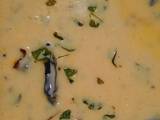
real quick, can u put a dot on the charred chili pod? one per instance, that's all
(50, 86)
(50, 73)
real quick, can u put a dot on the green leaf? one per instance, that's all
(41, 54)
(70, 73)
(92, 8)
(92, 105)
(93, 23)
(66, 115)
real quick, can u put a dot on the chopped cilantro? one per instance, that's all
(92, 8)
(93, 23)
(92, 105)
(70, 74)
(41, 54)
(66, 115)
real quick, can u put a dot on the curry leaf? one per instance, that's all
(92, 8)
(41, 54)
(69, 72)
(93, 23)
(66, 115)
(92, 105)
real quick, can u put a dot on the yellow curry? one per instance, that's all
(79, 59)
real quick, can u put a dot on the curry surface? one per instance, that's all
(131, 27)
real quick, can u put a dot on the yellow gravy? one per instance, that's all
(111, 46)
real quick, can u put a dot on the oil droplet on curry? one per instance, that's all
(79, 59)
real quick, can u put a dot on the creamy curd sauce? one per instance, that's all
(111, 47)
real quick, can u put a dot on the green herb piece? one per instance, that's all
(73, 99)
(92, 105)
(92, 8)
(70, 74)
(4, 55)
(41, 54)
(68, 49)
(93, 23)
(152, 2)
(51, 2)
(66, 115)
(108, 116)
(56, 35)
(100, 81)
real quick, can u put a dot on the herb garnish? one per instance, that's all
(93, 23)
(70, 73)
(152, 2)
(109, 116)
(94, 19)
(51, 2)
(92, 8)
(113, 59)
(16, 64)
(41, 54)
(56, 35)
(92, 105)
(66, 115)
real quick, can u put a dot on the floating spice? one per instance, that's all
(92, 8)
(51, 2)
(56, 35)
(79, 23)
(23, 62)
(114, 59)
(100, 81)
(93, 23)
(92, 105)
